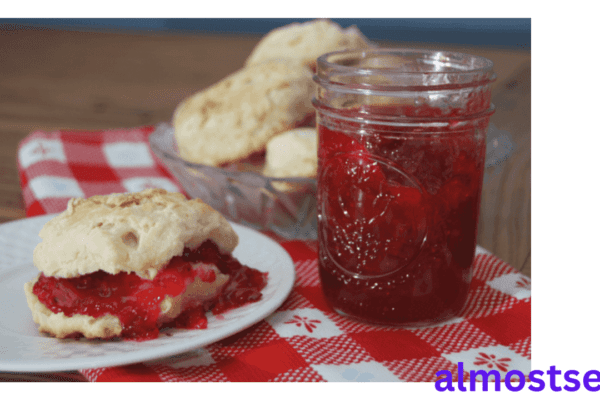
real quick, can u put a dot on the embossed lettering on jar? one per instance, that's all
(401, 152)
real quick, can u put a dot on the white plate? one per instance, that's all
(24, 349)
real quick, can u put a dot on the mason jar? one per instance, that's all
(401, 157)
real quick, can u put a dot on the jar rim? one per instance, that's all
(438, 58)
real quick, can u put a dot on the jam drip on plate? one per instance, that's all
(136, 301)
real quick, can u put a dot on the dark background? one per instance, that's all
(501, 32)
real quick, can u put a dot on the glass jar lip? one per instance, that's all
(484, 64)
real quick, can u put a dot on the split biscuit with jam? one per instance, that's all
(125, 265)
(307, 41)
(237, 116)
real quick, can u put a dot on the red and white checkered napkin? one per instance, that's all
(304, 340)
(56, 166)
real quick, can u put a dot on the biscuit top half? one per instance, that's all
(134, 232)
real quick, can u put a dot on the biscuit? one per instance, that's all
(236, 117)
(307, 41)
(136, 232)
(292, 154)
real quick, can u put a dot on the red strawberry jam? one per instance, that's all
(398, 212)
(401, 151)
(136, 301)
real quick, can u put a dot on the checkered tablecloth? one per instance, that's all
(304, 340)
(55, 166)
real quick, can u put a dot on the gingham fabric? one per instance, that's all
(304, 340)
(55, 166)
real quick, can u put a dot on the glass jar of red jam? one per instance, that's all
(401, 156)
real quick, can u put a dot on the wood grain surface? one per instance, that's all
(52, 79)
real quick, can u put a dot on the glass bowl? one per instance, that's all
(285, 206)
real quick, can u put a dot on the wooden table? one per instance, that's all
(52, 79)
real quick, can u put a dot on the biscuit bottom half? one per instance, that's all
(102, 305)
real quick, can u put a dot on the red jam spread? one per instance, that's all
(398, 211)
(136, 301)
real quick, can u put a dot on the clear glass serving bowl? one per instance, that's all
(285, 206)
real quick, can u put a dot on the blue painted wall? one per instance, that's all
(510, 32)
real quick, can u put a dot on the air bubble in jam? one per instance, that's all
(136, 301)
